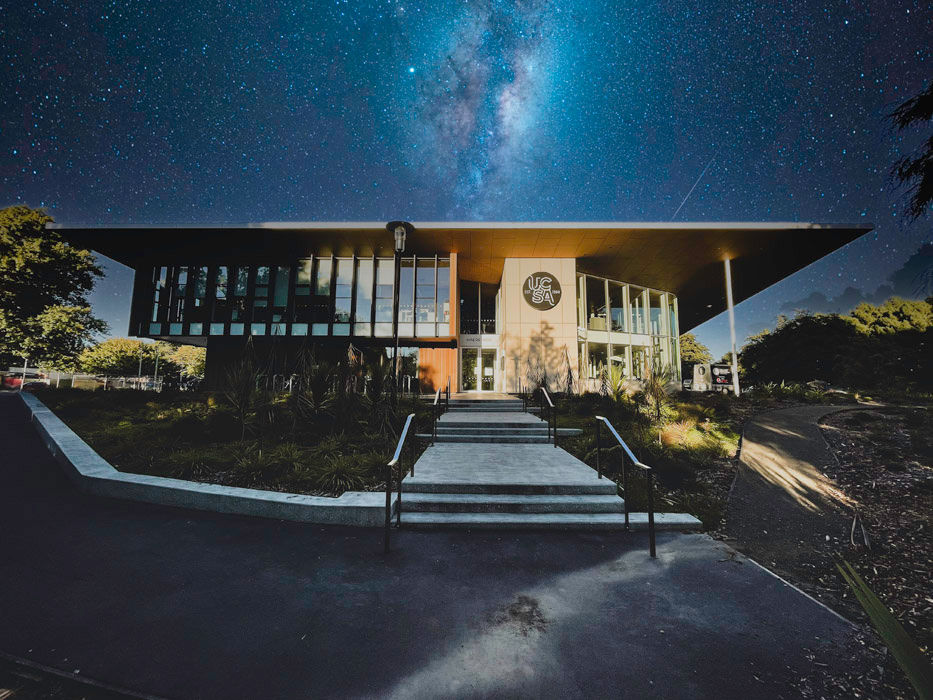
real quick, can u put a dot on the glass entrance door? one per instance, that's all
(469, 369)
(477, 369)
(488, 369)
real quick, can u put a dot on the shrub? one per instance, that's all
(338, 474)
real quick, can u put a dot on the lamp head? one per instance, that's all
(399, 231)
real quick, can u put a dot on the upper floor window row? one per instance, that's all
(312, 296)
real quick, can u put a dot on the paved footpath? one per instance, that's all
(186, 604)
(781, 499)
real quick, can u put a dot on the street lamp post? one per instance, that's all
(399, 231)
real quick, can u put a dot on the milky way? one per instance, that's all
(188, 112)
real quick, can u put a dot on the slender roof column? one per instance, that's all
(735, 359)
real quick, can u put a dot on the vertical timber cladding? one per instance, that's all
(537, 334)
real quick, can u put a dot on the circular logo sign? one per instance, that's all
(541, 290)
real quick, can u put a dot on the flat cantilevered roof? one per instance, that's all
(684, 258)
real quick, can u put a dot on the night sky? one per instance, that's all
(194, 112)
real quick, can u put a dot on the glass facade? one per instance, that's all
(621, 325)
(319, 296)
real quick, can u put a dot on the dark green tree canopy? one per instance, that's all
(44, 283)
(888, 346)
(693, 351)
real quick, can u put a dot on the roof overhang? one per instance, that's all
(684, 258)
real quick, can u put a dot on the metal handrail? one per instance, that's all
(388, 475)
(649, 475)
(551, 415)
(437, 398)
(447, 397)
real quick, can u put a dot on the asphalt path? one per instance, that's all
(186, 604)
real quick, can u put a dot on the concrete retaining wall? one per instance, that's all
(92, 474)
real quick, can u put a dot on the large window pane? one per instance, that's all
(281, 287)
(597, 359)
(654, 299)
(443, 292)
(322, 277)
(242, 277)
(487, 308)
(637, 301)
(617, 306)
(424, 295)
(261, 288)
(406, 312)
(344, 277)
(364, 291)
(469, 306)
(596, 304)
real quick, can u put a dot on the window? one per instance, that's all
(280, 300)
(159, 281)
(200, 286)
(303, 278)
(322, 277)
(406, 313)
(597, 359)
(469, 306)
(617, 306)
(220, 283)
(637, 301)
(320, 305)
(596, 304)
(363, 309)
(261, 288)
(654, 300)
(425, 310)
(242, 279)
(487, 308)
(385, 279)
(343, 295)
(443, 297)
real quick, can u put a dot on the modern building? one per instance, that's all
(485, 305)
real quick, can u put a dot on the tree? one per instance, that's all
(119, 357)
(693, 351)
(916, 171)
(190, 359)
(44, 283)
(892, 316)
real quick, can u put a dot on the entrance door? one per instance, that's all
(477, 369)
(469, 369)
(488, 369)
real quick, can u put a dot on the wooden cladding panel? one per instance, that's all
(435, 365)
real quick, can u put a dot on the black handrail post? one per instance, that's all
(398, 512)
(388, 506)
(654, 553)
(555, 425)
(625, 493)
(447, 397)
(599, 448)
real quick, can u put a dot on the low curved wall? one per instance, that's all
(92, 474)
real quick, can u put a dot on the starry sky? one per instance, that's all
(137, 112)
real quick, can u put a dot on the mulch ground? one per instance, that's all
(883, 463)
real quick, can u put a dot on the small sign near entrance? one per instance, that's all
(542, 291)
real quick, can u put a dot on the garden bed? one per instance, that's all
(197, 436)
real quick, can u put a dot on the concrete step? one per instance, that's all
(497, 429)
(485, 437)
(547, 521)
(508, 503)
(414, 484)
(490, 408)
(504, 424)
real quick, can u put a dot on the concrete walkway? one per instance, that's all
(781, 499)
(187, 604)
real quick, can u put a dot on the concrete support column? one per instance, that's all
(735, 357)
